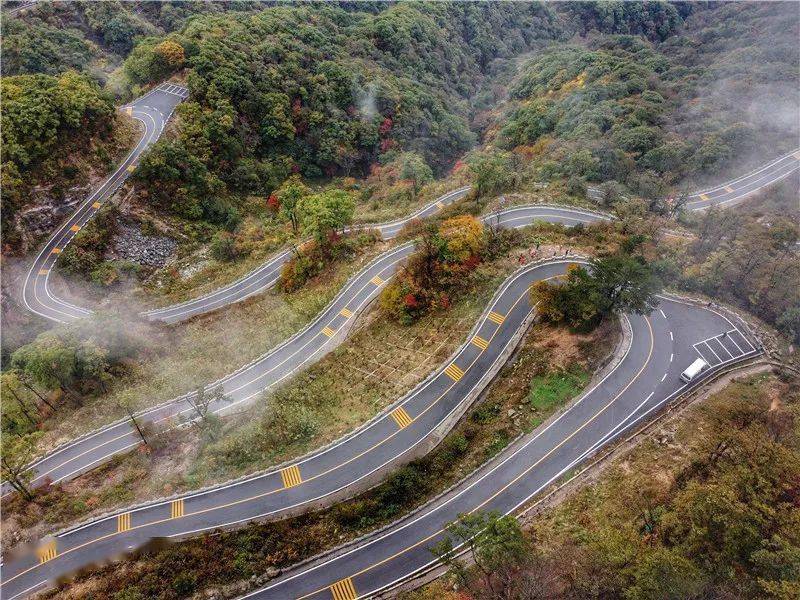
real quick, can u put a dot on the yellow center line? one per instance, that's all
(290, 476)
(496, 317)
(275, 491)
(46, 552)
(123, 522)
(260, 376)
(521, 475)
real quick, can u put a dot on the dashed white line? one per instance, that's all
(664, 377)
(671, 339)
(662, 313)
(671, 356)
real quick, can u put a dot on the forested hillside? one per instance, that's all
(320, 91)
(647, 114)
(91, 36)
(48, 124)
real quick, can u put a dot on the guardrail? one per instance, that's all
(433, 571)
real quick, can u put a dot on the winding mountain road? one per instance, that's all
(308, 345)
(647, 377)
(662, 344)
(152, 110)
(267, 274)
(155, 108)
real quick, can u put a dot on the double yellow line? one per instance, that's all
(291, 475)
(520, 475)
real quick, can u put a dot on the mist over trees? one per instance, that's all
(320, 91)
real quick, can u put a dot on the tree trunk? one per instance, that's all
(13, 476)
(138, 428)
(22, 407)
(38, 395)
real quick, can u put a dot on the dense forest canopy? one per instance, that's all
(653, 115)
(654, 96)
(321, 91)
(40, 114)
(56, 36)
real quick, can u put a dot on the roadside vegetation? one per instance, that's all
(232, 563)
(58, 132)
(704, 507)
(644, 118)
(610, 286)
(87, 367)
(302, 119)
(747, 257)
(381, 362)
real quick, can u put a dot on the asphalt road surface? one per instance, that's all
(323, 334)
(738, 189)
(662, 345)
(267, 274)
(734, 191)
(153, 111)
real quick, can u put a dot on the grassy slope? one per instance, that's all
(380, 362)
(209, 347)
(237, 556)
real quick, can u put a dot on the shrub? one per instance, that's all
(223, 246)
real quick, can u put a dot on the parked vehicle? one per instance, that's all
(693, 370)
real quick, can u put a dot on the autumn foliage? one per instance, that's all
(445, 257)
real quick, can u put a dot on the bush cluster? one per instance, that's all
(445, 256)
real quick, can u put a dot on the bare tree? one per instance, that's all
(127, 404)
(202, 403)
(16, 456)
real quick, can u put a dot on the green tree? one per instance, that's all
(49, 362)
(223, 246)
(494, 543)
(414, 168)
(664, 574)
(289, 195)
(612, 285)
(17, 454)
(325, 213)
(19, 406)
(490, 173)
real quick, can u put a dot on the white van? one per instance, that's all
(693, 370)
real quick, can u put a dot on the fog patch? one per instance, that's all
(368, 102)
